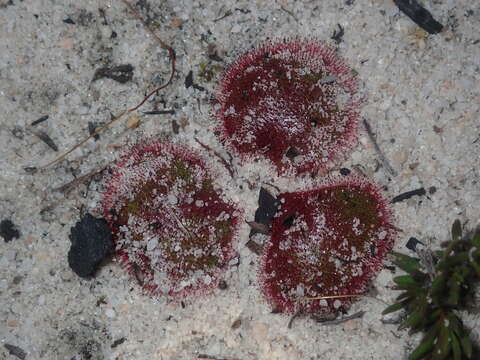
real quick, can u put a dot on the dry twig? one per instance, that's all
(172, 56)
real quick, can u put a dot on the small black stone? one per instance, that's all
(91, 242)
(432, 190)
(8, 230)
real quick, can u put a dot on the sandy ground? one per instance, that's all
(422, 103)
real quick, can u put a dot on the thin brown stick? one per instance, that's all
(222, 160)
(172, 56)
(68, 187)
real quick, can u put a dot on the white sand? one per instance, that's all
(422, 102)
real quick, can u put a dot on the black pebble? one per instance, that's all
(91, 242)
(8, 230)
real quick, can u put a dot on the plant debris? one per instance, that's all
(338, 36)
(254, 247)
(92, 127)
(407, 195)
(69, 21)
(91, 243)
(16, 351)
(189, 82)
(39, 120)
(159, 112)
(120, 73)
(8, 230)
(421, 16)
(383, 158)
(412, 244)
(118, 342)
(171, 54)
(42, 135)
(356, 315)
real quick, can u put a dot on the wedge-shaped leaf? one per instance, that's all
(405, 281)
(438, 284)
(406, 295)
(466, 346)
(434, 316)
(454, 291)
(459, 258)
(456, 230)
(476, 267)
(455, 324)
(412, 320)
(476, 238)
(442, 346)
(426, 345)
(393, 308)
(407, 263)
(456, 349)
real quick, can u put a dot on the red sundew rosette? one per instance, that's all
(329, 241)
(173, 229)
(294, 102)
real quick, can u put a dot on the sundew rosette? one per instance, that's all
(326, 242)
(293, 102)
(173, 227)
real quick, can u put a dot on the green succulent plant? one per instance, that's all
(433, 293)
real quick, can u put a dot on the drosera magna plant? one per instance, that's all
(173, 228)
(433, 293)
(326, 245)
(293, 102)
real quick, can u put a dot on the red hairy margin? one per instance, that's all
(328, 241)
(294, 102)
(173, 228)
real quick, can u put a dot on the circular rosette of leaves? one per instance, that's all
(173, 228)
(294, 102)
(326, 245)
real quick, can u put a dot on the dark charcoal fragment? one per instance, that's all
(338, 35)
(288, 221)
(69, 21)
(91, 130)
(292, 153)
(222, 285)
(8, 230)
(419, 15)
(345, 171)
(412, 244)
(15, 351)
(39, 120)
(189, 82)
(267, 207)
(120, 73)
(118, 342)
(91, 243)
(408, 195)
(42, 135)
(159, 112)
